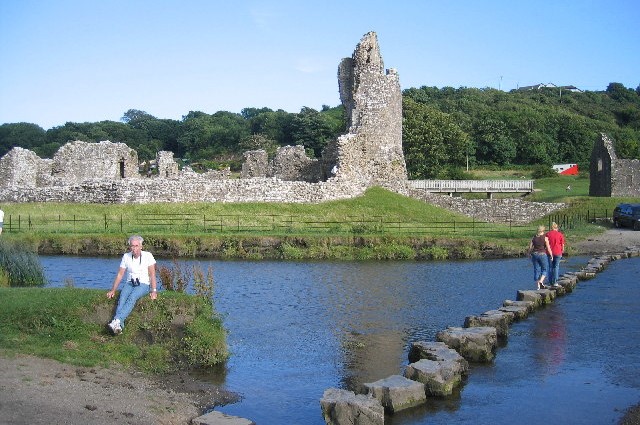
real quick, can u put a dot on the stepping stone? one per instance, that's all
(397, 393)
(341, 407)
(439, 378)
(474, 344)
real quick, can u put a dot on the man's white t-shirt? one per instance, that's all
(138, 268)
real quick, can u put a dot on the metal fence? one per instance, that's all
(272, 223)
(569, 221)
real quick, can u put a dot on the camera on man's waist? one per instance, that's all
(135, 282)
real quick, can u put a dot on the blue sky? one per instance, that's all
(92, 60)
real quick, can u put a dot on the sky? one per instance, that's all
(93, 60)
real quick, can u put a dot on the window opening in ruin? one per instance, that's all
(122, 168)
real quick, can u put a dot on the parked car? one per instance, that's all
(627, 215)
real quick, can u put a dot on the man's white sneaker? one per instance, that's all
(115, 326)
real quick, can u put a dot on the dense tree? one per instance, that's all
(274, 125)
(619, 92)
(547, 125)
(493, 143)
(574, 140)
(24, 135)
(432, 142)
(313, 129)
(157, 134)
(208, 136)
(70, 132)
(521, 127)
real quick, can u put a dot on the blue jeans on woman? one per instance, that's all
(554, 268)
(129, 296)
(540, 265)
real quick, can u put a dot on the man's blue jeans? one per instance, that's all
(540, 265)
(129, 296)
(554, 266)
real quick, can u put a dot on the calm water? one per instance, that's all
(298, 328)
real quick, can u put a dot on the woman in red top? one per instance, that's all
(556, 242)
(538, 250)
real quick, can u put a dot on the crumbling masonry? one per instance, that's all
(610, 176)
(369, 154)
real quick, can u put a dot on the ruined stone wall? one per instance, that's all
(78, 161)
(19, 168)
(256, 164)
(167, 167)
(610, 176)
(196, 189)
(44, 175)
(625, 178)
(370, 154)
(291, 163)
(602, 157)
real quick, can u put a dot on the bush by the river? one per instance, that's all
(19, 267)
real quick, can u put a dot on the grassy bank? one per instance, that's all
(378, 225)
(68, 324)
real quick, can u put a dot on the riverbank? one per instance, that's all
(42, 391)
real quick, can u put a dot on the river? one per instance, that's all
(298, 328)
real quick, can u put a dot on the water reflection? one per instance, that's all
(356, 298)
(550, 339)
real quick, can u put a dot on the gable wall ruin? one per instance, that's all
(609, 175)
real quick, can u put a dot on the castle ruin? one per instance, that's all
(369, 154)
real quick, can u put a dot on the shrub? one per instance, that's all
(394, 251)
(542, 171)
(19, 267)
(457, 173)
(175, 278)
(435, 253)
(290, 252)
(204, 342)
(176, 331)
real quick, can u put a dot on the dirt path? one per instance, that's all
(613, 240)
(41, 391)
(37, 391)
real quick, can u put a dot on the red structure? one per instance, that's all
(566, 169)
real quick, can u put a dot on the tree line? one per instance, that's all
(445, 130)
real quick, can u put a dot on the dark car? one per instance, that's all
(627, 215)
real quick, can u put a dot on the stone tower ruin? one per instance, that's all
(371, 151)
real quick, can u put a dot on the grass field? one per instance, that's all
(319, 231)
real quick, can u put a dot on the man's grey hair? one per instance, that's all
(136, 238)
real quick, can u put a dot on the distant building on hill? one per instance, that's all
(550, 86)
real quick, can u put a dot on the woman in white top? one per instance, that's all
(140, 267)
